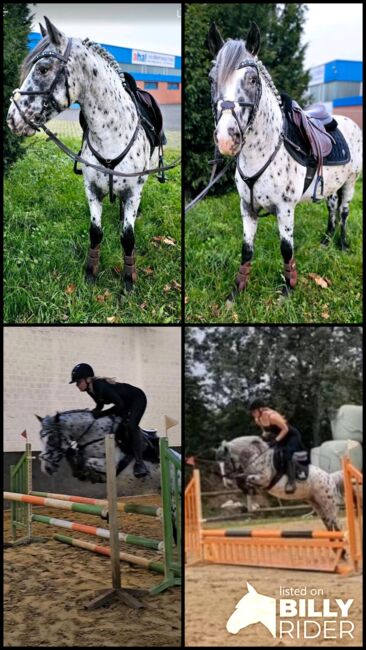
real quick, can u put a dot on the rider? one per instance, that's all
(127, 400)
(286, 436)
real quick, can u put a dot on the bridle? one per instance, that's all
(232, 106)
(51, 100)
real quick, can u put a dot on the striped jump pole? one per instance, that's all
(100, 511)
(273, 534)
(136, 508)
(100, 532)
(104, 550)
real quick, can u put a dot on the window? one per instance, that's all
(173, 86)
(151, 85)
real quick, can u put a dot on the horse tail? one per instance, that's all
(338, 481)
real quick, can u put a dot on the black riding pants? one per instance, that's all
(291, 442)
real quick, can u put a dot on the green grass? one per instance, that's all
(46, 239)
(213, 240)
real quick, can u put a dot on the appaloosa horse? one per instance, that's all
(257, 126)
(252, 463)
(60, 71)
(79, 438)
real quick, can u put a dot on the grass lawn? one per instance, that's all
(46, 239)
(213, 240)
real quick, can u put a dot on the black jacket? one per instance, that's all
(121, 395)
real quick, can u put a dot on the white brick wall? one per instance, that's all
(38, 363)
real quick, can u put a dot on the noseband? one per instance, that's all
(49, 99)
(227, 105)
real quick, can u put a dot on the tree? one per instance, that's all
(17, 24)
(304, 372)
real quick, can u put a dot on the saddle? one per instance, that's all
(150, 113)
(313, 139)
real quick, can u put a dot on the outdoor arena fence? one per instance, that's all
(319, 550)
(22, 498)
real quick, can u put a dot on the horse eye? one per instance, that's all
(43, 69)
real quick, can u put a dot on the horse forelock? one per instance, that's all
(229, 58)
(28, 61)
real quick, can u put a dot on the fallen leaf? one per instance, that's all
(148, 270)
(167, 288)
(100, 298)
(321, 282)
(215, 310)
(117, 269)
(112, 319)
(71, 288)
(169, 241)
(324, 314)
(235, 317)
(143, 306)
(176, 285)
(186, 300)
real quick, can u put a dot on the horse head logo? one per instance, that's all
(253, 608)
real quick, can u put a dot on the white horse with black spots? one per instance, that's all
(60, 71)
(249, 126)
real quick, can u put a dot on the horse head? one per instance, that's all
(55, 443)
(236, 88)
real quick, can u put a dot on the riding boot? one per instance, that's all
(136, 444)
(291, 478)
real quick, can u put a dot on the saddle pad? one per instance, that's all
(299, 149)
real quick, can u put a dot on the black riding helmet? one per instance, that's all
(257, 404)
(81, 371)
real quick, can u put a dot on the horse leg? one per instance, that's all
(332, 203)
(95, 232)
(285, 220)
(346, 197)
(128, 212)
(250, 224)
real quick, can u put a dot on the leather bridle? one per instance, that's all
(49, 99)
(228, 105)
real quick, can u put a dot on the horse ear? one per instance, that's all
(39, 418)
(57, 417)
(43, 30)
(253, 41)
(214, 40)
(56, 37)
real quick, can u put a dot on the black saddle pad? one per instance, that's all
(152, 118)
(300, 150)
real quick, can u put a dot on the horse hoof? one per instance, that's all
(90, 278)
(128, 285)
(344, 246)
(287, 290)
(326, 240)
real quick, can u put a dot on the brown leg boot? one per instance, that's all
(290, 273)
(130, 273)
(243, 276)
(92, 264)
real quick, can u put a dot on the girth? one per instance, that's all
(110, 164)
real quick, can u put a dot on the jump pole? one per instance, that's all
(128, 596)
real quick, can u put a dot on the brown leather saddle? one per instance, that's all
(312, 137)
